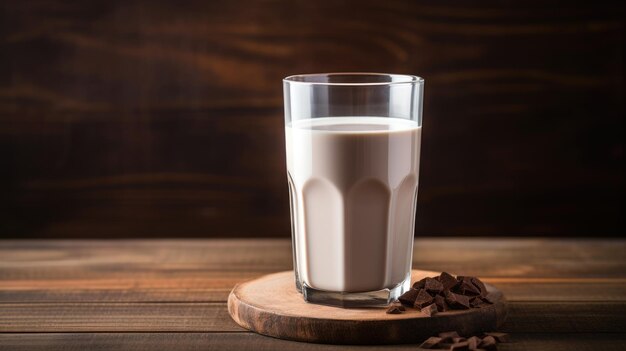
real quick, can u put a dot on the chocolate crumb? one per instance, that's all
(398, 305)
(393, 310)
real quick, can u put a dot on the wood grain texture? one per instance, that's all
(180, 290)
(251, 341)
(206, 270)
(158, 119)
(270, 305)
(523, 317)
(137, 295)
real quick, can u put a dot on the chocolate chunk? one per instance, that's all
(488, 343)
(466, 287)
(420, 284)
(447, 293)
(500, 337)
(398, 305)
(473, 342)
(430, 343)
(423, 299)
(476, 301)
(481, 287)
(393, 310)
(488, 299)
(457, 300)
(448, 336)
(433, 286)
(460, 346)
(441, 303)
(447, 280)
(408, 298)
(429, 310)
(459, 339)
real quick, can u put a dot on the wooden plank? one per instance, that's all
(563, 258)
(251, 341)
(206, 270)
(523, 258)
(116, 317)
(582, 290)
(203, 289)
(526, 317)
(584, 317)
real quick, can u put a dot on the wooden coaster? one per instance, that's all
(271, 305)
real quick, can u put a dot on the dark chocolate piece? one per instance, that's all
(447, 293)
(473, 342)
(433, 286)
(429, 310)
(420, 284)
(481, 287)
(447, 280)
(423, 299)
(466, 287)
(441, 303)
(457, 301)
(476, 301)
(500, 337)
(430, 343)
(488, 299)
(398, 305)
(393, 310)
(447, 336)
(488, 343)
(459, 339)
(408, 298)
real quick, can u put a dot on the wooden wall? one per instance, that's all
(164, 118)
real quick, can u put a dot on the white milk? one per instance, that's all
(353, 183)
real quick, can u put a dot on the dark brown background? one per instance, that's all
(153, 118)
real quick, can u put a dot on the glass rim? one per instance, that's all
(395, 79)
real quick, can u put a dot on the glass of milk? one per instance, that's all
(353, 145)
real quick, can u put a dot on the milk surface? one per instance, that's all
(353, 185)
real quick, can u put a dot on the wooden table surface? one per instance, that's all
(171, 294)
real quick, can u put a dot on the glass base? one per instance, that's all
(354, 300)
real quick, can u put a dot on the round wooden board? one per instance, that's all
(271, 305)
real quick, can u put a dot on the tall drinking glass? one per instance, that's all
(353, 145)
